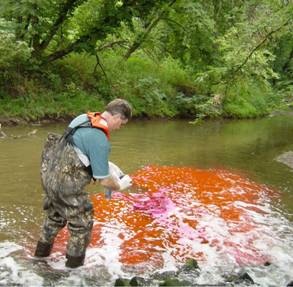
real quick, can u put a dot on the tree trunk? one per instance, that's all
(142, 37)
(63, 14)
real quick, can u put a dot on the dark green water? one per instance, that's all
(249, 147)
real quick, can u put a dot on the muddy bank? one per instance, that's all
(14, 121)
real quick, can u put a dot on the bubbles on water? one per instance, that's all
(109, 254)
(223, 220)
(220, 218)
(12, 272)
(8, 247)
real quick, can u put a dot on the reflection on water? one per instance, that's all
(212, 192)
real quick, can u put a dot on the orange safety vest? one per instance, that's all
(98, 122)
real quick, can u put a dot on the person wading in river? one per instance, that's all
(69, 162)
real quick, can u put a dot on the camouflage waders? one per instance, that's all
(63, 178)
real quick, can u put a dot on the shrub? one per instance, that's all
(247, 98)
(151, 88)
(12, 53)
(78, 68)
(50, 105)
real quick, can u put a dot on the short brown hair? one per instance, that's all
(120, 106)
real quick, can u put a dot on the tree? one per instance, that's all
(54, 29)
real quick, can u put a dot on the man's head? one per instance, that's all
(118, 112)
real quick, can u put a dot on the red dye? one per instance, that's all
(179, 211)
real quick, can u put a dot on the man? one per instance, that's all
(68, 165)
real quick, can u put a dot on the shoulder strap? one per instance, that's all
(69, 132)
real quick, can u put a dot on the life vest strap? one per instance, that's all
(95, 120)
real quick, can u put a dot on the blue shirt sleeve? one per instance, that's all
(99, 156)
(95, 145)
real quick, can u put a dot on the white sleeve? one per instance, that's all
(115, 171)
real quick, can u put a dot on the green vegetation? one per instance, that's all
(169, 58)
(49, 105)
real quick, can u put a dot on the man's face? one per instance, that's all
(117, 121)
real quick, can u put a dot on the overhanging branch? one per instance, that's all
(67, 8)
(259, 45)
(142, 37)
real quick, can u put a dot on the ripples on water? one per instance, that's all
(221, 219)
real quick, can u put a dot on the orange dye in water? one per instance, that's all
(185, 213)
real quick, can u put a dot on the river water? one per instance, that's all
(240, 153)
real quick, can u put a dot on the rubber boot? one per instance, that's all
(43, 249)
(74, 261)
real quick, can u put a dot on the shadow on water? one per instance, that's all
(171, 214)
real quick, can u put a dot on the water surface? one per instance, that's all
(245, 147)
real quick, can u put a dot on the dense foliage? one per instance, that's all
(196, 59)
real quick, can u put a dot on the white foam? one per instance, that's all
(271, 236)
(8, 247)
(169, 262)
(12, 273)
(110, 252)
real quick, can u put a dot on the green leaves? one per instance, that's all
(171, 56)
(12, 53)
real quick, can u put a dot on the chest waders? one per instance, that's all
(64, 178)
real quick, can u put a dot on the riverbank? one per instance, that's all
(8, 121)
(15, 121)
(164, 91)
(182, 102)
